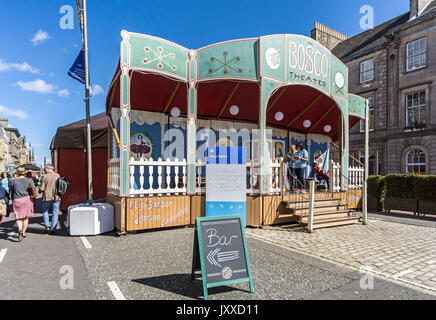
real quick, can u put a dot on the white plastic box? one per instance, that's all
(91, 219)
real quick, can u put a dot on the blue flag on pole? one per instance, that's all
(77, 70)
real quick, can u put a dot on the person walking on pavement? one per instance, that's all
(32, 175)
(50, 199)
(4, 200)
(22, 202)
(5, 182)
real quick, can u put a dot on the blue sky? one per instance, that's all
(37, 95)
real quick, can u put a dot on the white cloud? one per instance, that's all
(37, 145)
(63, 93)
(50, 101)
(96, 89)
(40, 37)
(7, 112)
(23, 67)
(38, 85)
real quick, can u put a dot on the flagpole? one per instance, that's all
(88, 118)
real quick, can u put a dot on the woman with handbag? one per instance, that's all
(22, 195)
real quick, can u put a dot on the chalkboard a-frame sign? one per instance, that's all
(220, 251)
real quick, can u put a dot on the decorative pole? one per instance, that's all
(365, 175)
(191, 126)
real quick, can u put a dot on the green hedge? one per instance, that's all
(425, 188)
(376, 185)
(408, 186)
(400, 185)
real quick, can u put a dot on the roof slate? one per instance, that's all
(372, 39)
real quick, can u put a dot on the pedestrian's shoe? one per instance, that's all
(47, 230)
(20, 236)
(52, 232)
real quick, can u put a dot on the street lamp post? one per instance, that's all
(87, 97)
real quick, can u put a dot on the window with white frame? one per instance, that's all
(416, 53)
(415, 161)
(371, 118)
(415, 109)
(367, 70)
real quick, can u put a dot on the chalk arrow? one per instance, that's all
(2, 254)
(211, 257)
(228, 255)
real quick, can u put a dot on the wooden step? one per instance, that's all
(316, 200)
(326, 223)
(327, 215)
(285, 218)
(319, 208)
(302, 203)
(347, 212)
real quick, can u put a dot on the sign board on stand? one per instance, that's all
(226, 182)
(220, 251)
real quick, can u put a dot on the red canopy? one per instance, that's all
(298, 103)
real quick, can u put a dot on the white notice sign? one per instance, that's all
(226, 182)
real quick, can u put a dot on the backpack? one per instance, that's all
(61, 186)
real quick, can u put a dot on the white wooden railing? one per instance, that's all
(157, 176)
(335, 176)
(114, 176)
(152, 177)
(355, 177)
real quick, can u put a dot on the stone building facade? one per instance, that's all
(13, 148)
(394, 66)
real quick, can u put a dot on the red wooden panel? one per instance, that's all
(72, 164)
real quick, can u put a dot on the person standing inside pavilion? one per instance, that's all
(302, 159)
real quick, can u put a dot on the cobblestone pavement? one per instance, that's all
(402, 252)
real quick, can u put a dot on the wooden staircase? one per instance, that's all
(328, 212)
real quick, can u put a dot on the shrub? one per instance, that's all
(410, 186)
(376, 186)
(401, 185)
(425, 188)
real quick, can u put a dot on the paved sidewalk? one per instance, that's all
(156, 265)
(399, 251)
(405, 217)
(36, 267)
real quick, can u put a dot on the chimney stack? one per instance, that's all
(326, 36)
